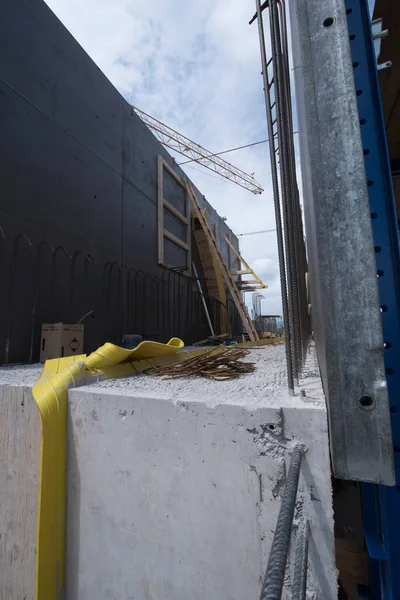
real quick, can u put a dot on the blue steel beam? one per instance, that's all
(381, 504)
(342, 267)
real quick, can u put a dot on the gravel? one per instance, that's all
(20, 374)
(267, 385)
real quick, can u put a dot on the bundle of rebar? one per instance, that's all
(225, 364)
(288, 215)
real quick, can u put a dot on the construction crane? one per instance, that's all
(185, 146)
(255, 232)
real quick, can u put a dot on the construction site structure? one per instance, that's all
(212, 274)
(233, 491)
(180, 143)
(222, 267)
(247, 285)
(345, 54)
(256, 232)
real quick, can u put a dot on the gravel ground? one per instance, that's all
(20, 374)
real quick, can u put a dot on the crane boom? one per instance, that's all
(185, 146)
(255, 232)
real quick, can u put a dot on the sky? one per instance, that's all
(196, 67)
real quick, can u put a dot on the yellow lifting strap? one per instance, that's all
(51, 396)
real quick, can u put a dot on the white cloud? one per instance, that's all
(195, 66)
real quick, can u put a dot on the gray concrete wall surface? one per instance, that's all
(20, 434)
(174, 486)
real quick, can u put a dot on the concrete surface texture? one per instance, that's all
(18, 375)
(20, 432)
(174, 486)
(267, 386)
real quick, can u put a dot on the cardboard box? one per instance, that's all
(58, 340)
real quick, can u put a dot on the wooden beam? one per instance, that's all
(170, 170)
(174, 211)
(163, 204)
(160, 209)
(243, 272)
(175, 240)
(225, 272)
(249, 281)
(240, 257)
(229, 254)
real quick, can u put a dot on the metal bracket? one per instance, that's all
(377, 35)
(384, 65)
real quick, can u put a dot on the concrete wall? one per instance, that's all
(171, 496)
(77, 169)
(174, 486)
(19, 474)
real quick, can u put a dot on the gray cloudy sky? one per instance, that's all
(195, 66)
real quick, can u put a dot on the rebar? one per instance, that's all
(105, 299)
(275, 188)
(114, 298)
(53, 262)
(301, 261)
(275, 573)
(292, 255)
(300, 567)
(286, 180)
(88, 258)
(35, 293)
(11, 292)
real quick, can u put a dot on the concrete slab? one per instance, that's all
(174, 486)
(19, 477)
(266, 386)
(17, 375)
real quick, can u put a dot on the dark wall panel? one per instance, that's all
(49, 178)
(139, 235)
(78, 175)
(48, 68)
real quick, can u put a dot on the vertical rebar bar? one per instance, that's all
(11, 291)
(295, 261)
(53, 273)
(301, 339)
(300, 568)
(35, 293)
(286, 179)
(275, 188)
(275, 573)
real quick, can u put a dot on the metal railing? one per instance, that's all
(275, 573)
